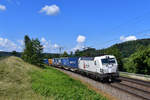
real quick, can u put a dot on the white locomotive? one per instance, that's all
(102, 67)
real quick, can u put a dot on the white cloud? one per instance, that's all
(80, 43)
(7, 45)
(46, 44)
(50, 10)
(2, 7)
(48, 47)
(128, 38)
(56, 46)
(20, 45)
(21, 42)
(81, 39)
(43, 40)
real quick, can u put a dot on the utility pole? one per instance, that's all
(60, 49)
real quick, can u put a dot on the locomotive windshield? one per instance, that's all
(108, 61)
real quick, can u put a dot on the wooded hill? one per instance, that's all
(124, 48)
(130, 47)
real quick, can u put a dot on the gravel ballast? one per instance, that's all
(114, 93)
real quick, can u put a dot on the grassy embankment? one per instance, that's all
(22, 81)
(15, 81)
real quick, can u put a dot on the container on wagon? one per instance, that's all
(50, 61)
(64, 62)
(55, 61)
(46, 61)
(73, 62)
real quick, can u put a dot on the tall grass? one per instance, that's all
(15, 81)
(59, 86)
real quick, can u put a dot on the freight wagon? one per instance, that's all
(55, 62)
(64, 63)
(73, 63)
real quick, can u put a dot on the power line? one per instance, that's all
(135, 20)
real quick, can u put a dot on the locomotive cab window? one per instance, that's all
(108, 61)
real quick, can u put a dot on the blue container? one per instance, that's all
(46, 61)
(55, 61)
(73, 62)
(64, 61)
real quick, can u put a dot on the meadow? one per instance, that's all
(23, 81)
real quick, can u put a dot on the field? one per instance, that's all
(22, 81)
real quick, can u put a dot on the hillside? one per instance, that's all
(124, 49)
(129, 47)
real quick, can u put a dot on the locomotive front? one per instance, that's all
(108, 66)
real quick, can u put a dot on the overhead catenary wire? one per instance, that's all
(136, 20)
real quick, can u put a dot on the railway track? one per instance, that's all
(134, 87)
(141, 82)
(144, 95)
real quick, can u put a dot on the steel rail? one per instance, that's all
(137, 81)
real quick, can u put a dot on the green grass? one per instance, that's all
(59, 86)
(23, 81)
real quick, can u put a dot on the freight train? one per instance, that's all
(102, 67)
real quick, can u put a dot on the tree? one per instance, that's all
(139, 62)
(28, 50)
(33, 51)
(37, 57)
(71, 54)
(14, 53)
(89, 52)
(114, 51)
(77, 53)
(65, 54)
(26, 40)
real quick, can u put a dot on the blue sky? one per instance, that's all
(72, 24)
